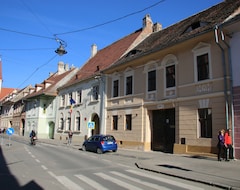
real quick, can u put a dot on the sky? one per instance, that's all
(31, 31)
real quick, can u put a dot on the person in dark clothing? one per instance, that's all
(220, 145)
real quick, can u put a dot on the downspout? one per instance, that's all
(231, 86)
(224, 73)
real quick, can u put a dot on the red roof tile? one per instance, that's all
(104, 58)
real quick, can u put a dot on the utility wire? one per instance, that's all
(32, 49)
(36, 70)
(36, 16)
(28, 34)
(111, 21)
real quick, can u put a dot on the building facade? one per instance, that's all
(171, 92)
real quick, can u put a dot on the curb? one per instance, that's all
(186, 178)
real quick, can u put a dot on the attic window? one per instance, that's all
(195, 25)
(133, 52)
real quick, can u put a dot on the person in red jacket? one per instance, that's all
(228, 145)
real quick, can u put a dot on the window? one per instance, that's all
(61, 123)
(170, 76)
(69, 123)
(78, 123)
(205, 121)
(79, 96)
(202, 62)
(70, 97)
(128, 85)
(95, 92)
(115, 122)
(129, 122)
(115, 88)
(63, 100)
(203, 67)
(151, 80)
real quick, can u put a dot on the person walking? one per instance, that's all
(70, 134)
(228, 145)
(220, 144)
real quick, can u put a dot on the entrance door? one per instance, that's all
(97, 127)
(51, 130)
(163, 133)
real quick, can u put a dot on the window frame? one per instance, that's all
(115, 92)
(128, 122)
(199, 50)
(152, 81)
(205, 122)
(115, 122)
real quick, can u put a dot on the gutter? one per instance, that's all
(231, 82)
(224, 73)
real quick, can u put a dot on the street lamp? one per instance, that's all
(61, 50)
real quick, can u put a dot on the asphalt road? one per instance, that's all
(53, 167)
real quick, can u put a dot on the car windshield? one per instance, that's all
(108, 138)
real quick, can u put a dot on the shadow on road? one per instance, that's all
(8, 181)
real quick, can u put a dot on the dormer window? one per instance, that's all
(195, 25)
(133, 52)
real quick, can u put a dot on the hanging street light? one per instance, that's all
(61, 50)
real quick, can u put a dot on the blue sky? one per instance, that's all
(28, 30)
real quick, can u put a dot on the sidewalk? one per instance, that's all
(196, 168)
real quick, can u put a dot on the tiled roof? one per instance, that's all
(193, 26)
(50, 90)
(5, 92)
(104, 58)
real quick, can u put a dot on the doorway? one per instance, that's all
(163, 133)
(51, 130)
(96, 130)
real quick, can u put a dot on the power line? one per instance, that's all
(36, 16)
(32, 49)
(111, 21)
(28, 34)
(36, 71)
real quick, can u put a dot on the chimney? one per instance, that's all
(61, 68)
(66, 67)
(147, 22)
(93, 50)
(157, 27)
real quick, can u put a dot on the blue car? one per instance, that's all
(100, 144)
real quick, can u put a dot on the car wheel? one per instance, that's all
(114, 150)
(83, 147)
(99, 151)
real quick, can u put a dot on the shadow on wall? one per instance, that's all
(8, 181)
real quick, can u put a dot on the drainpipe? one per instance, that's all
(231, 84)
(224, 72)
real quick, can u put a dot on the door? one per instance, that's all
(163, 133)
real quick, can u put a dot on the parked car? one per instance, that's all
(100, 144)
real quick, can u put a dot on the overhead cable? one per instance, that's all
(111, 21)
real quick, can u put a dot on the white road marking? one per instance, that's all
(68, 183)
(44, 167)
(117, 181)
(91, 182)
(154, 186)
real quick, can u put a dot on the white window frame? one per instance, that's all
(169, 60)
(201, 49)
(128, 73)
(115, 78)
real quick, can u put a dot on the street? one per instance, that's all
(46, 166)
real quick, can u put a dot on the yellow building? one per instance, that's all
(171, 93)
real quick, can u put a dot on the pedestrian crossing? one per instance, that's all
(127, 179)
